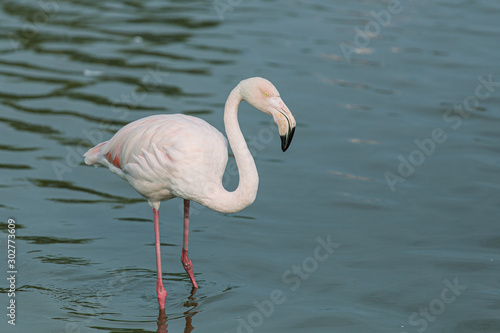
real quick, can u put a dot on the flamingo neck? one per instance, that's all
(244, 195)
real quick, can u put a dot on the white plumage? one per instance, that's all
(165, 156)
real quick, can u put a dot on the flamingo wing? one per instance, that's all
(164, 156)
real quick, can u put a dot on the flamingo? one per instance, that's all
(176, 155)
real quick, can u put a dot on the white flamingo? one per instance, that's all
(168, 156)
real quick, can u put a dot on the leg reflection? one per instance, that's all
(189, 314)
(162, 322)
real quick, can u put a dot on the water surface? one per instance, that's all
(394, 164)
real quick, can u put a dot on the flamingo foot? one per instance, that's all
(188, 266)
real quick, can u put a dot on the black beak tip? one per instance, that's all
(287, 139)
(284, 145)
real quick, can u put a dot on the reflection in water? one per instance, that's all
(162, 322)
(189, 314)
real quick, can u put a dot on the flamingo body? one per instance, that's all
(165, 156)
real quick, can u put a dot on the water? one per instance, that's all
(394, 166)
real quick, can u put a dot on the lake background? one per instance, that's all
(383, 215)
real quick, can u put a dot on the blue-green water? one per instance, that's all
(383, 215)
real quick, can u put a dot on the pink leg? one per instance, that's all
(188, 266)
(160, 290)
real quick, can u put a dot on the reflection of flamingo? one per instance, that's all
(168, 156)
(191, 303)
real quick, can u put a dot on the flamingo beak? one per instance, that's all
(287, 138)
(286, 125)
(285, 121)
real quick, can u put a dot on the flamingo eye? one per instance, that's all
(266, 94)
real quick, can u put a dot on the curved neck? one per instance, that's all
(231, 202)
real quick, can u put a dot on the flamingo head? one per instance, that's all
(263, 95)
